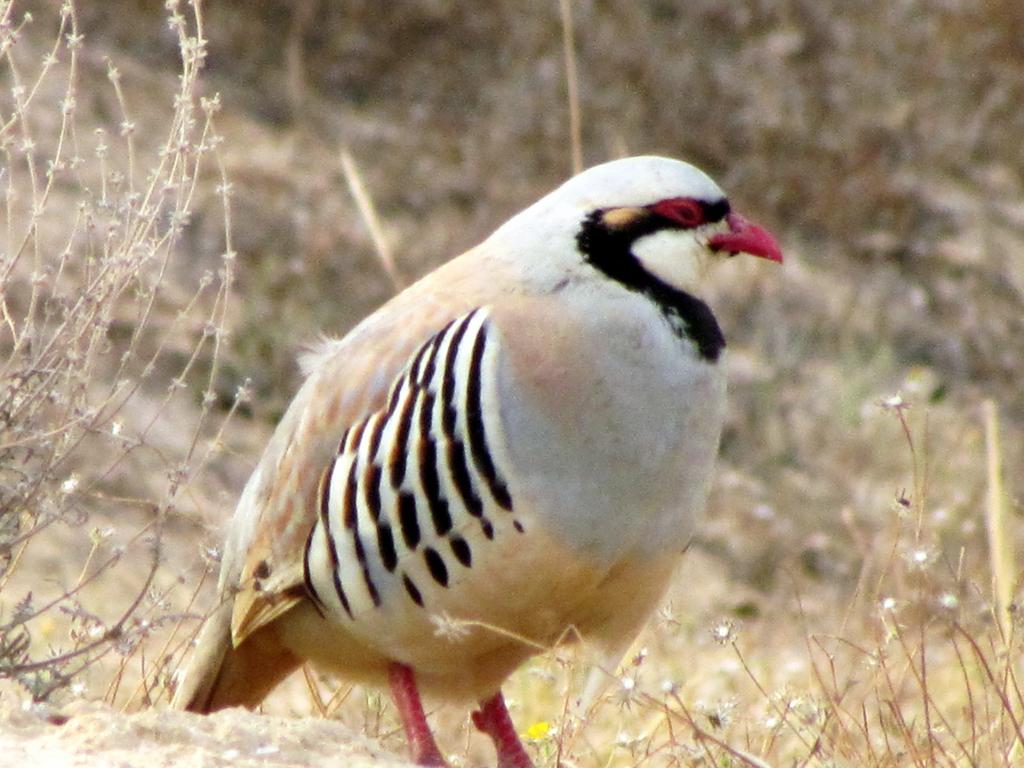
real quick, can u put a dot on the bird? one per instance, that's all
(510, 453)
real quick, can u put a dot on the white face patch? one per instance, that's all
(675, 257)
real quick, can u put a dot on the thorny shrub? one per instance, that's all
(103, 336)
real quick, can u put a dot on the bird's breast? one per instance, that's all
(611, 428)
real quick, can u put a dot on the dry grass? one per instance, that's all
(844, 605)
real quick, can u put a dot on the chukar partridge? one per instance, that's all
(518, 445)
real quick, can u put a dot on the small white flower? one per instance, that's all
(625, 739)
(919, 558)
(894, 402)
(449, 628)
(949, 601)
(724, 632)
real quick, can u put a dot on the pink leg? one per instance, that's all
(414, 719)
(493, 719)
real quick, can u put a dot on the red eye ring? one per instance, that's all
(684, 212)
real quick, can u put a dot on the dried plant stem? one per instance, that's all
(702, 736)
(339, 697)
(1000, 546)
(572, 84)
(996, 687)
(369, 214)
(780, 712)
(1001, 554)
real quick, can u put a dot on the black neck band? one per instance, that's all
(611, 252)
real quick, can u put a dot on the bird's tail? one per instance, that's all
(220, 675)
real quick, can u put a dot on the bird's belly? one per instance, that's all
(526, 594)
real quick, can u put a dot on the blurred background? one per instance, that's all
(879, 141)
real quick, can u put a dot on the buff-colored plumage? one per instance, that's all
(346, 380)
(559, 422)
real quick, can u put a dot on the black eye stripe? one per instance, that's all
(671, 213)
(716, 211)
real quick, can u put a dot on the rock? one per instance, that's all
(96, 736)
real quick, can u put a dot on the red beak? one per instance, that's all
(746, 237)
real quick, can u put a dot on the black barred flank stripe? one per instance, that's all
(349, 502)
(431, 364)
(455, 448)
(459, 470)
(372, 482)
(336, 577)
(400, 448)
(429, 478)
(407, 519)
(351, 517)
(361, 556)
(386, 546)
(375, 434)
(356, 434)
(475, 424)
(396, 393)
(438, 504)
(344, 439)
(325, 492)
(413, 592)
(461, 550)
(426, 412)
(448, 415)
(414, 367)
(307, 577)
(436, 566)
(332, 550)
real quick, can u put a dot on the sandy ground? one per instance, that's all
(95, 736)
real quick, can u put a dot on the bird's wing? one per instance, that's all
(347, 379)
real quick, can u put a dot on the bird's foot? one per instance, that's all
(493, 719)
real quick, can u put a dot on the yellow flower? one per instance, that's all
(538, 730)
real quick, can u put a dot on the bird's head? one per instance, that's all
(643, 220)
(652, 224)
(652, 220)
